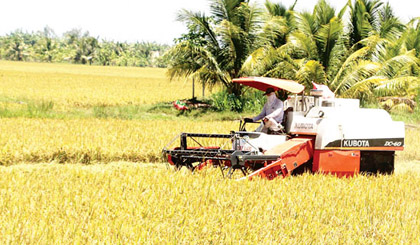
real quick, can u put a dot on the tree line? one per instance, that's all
(79, 47)
(361, 50)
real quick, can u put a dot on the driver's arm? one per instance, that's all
(261, 115)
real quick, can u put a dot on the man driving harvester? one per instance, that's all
(271, 114)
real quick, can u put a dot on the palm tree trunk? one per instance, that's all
(235, 88)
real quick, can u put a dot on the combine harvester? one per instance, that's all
(322, 134)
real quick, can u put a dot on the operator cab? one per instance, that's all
(303, 113)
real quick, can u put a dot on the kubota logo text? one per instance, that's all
(356, 143)
(304, 125)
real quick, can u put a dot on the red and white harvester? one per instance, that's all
(322, 134)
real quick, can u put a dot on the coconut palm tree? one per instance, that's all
(397, 67)
(320, 49)
(15, 46)
(364, 18)
(317, 37)
(216, 46)
(46, 45)
(278, 23)
(411, 36)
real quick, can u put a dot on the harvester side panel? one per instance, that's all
(340, 163)
(293, 153)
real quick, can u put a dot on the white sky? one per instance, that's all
(131, 20)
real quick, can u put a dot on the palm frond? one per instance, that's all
(359, 71)
(344, 9)
(350, 62)
(275, 9)
(394, 66)
(253, 63)
(275, 29)
(225, 9)
(363, 88)
(278, 9)
(327, 37)
(247, 17)
(188, 59)
(323, 13)
(210, 76)
(302, 45)
(379, 47)
(285, 69)
(400, 86)
(411, 36)
(305, 23)
(338, 55)
(200, 20)
(264, 59)
(373, 8)
(360, 21)
(391, 29)
(311, 71)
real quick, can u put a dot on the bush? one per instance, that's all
(249, 101)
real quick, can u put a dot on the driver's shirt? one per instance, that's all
(274, 110)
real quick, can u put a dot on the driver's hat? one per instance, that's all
(269, 90)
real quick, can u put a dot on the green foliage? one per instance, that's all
(225, 101)
(79, 48)
(216, 46)
(30, 109)
(250, 101)
(364, 54)
(312, 71)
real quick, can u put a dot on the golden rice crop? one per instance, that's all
(104, 140)
(69, 86)
(131, 203)
(412, 143)
(92, 140)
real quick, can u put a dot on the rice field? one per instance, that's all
(97, 180)
(105, 140)
(137, 203)
(77, 86)
(93, 140)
